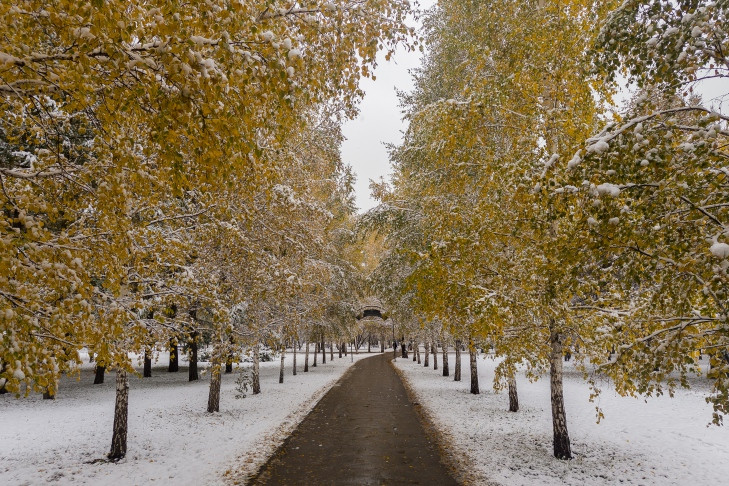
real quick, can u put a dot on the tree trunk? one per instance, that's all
(323, 352)
(435, 356)
(316, 353)
(49, 393)
(174, 362)
(147, 365)
(341, 345)
(256, 378)
(345, 348)
(121, 414)
(382, 344)
(457, 371)
(446, 371)
(281, 370)
(474, 366)
(331, 350)
(306, 358)
(214, 395)
(561, 438)
(229, 359)
(369, 345)
(426, 363)
(192, 370)
(513, 395)
(99, 378)
(294, 365)
(415, 352)
(3, 381)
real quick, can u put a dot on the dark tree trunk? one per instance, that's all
(306, 358)
(323, 352)
(561, 438)
(281, 370)
(474, 366)
(369, 345)
(426, 362)
(316, 353)
(434, 349)
(147, 365)
(294, 365)
(513, 395)
(256, 378)
(446, 371)
(341, 345)
(192, 370)
(415, 352)
(229, 359)
(331, 351)
(3, 381)
(457, 371)
(214, 395)
(382, 344)
(404, 349)
(345, 349)
(174, 361)
(121, 414)
(99, 377)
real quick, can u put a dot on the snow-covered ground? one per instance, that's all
(658, 441)
(171, 437)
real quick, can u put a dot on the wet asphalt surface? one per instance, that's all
(365, 431)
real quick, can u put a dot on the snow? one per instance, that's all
(574, 162)
(171, 436)
(607, 188)
(599, 147)
(720, 250)
(658, 441)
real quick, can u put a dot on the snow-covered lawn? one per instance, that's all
(171, 437)
(664, 441)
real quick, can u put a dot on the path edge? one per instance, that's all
(455, 463)
(242, 475)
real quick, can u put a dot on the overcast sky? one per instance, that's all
(379, 121)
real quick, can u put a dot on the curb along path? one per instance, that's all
(365, 431)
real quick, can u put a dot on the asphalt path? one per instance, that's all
(364, 431)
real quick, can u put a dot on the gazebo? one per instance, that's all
(371, 307)
(372, 315)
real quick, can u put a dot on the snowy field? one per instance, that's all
(665, 441)
(172, 439)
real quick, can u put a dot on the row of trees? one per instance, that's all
(527, 212)
(171, 169)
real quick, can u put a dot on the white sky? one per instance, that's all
(379, 121)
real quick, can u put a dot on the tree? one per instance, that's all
(653, 206)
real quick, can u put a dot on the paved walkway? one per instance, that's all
(363, 432)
